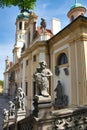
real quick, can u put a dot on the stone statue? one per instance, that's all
(11, 108)
(61, 100)
(7, 63)
(19, 99)
(43, 23)
(41, 77)
(58, 90)
(6, 114)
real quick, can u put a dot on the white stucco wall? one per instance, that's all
(6, 83)
(24, 76)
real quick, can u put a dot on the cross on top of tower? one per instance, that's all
(75, 1)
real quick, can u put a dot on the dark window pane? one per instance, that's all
(26, 90)
(20, 26)
(62, 59)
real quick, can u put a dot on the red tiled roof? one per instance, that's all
(40, 31)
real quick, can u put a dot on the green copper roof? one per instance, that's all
(76, 5)
(23, 15)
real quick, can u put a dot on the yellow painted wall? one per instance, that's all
(1, 89)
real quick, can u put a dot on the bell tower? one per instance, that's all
(21, 23)
(76, 10)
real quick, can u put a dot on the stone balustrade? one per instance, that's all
(74, 118)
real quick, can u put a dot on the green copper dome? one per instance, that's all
(77, 5)
(23, 15)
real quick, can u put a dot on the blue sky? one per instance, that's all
(46, 9)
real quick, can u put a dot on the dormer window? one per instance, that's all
(20, 26)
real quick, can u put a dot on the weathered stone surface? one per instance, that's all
(42, 106)
(20, 115)
(41, 78)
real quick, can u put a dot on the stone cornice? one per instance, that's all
(32, 48)
(78, 23)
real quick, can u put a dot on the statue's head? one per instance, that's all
(19, 89)
(4, 109)
(43, 64)
(10, 102)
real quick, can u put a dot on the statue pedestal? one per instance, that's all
(42, 106)
(5, 124)
(11, 120)
(21, 114)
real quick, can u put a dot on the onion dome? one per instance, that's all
(24, 14)
(76, 10)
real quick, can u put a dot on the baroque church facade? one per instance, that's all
(65, 54)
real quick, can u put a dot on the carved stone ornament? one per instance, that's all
(11, 108)
(19, 99)
(74, 122)
(57, 71)
(6, 114)
(66, 71)
(41, 78)
(61, 100)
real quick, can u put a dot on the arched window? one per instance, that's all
(62, 59)
(20, 26)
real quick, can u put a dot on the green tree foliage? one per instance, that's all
(22, 4)
(1, 82)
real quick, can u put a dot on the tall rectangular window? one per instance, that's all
(28, 39)
(26, 62)
(20, 26)
(34, 58)
(34, 88)
(26, 88)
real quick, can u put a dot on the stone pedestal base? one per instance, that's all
(42, 106)
(20, 115)
(5, 124)
(11, 120)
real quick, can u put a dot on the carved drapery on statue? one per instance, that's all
(61, 100)
(41, 77)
